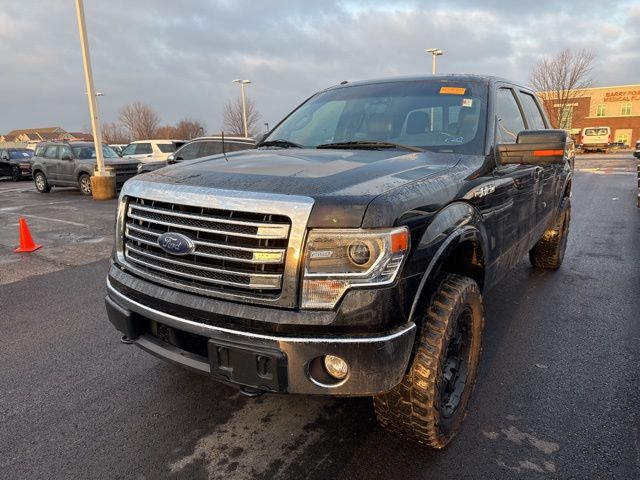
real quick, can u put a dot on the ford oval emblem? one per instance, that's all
(176, 243)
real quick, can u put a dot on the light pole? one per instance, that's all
(103, 185)
(434, 53)
(244, 104)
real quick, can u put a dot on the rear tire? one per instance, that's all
(548, 253)
(429, 404)
(84, 182)
(42, 185)
(15, 173)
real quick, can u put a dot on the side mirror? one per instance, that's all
(5, 157)
(261, 137)
(171, 158)
(536, 147)
(66, 157)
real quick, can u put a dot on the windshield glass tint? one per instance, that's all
(18, 154)
(89, 152)
(427, 114)
(167, 147)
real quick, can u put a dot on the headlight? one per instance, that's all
(337, 260)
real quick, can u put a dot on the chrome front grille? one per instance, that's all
(247, 244)
(235, 251)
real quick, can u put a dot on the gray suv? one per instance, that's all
(71, 164)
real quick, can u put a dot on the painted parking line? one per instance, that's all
(68, 222)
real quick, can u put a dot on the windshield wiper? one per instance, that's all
(369, 144)
(279, 143)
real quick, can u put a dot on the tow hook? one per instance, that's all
(251, 392)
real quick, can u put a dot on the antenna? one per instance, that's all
(223, 149)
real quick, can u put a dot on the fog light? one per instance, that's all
(336, 367)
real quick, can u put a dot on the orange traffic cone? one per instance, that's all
(26, 242)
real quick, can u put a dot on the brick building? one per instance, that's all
(615, 107)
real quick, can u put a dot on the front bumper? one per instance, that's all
(376, 362)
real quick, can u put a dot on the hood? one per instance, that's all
(341, 182)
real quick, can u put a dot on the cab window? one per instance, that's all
(509, 116)
(531, 108)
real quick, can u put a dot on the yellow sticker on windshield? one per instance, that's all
(453, 90)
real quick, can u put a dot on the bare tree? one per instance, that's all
(113, 132)
(168, 132)
(188, 128)
(560, 80)
(233, 117)
(140, 120)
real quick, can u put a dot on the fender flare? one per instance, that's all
(458, 229)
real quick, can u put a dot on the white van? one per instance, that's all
(595, 139)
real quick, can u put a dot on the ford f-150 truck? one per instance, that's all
(348, 253)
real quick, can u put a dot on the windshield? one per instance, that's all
(428, 114)
(167, 147)
(20, 154)
(591, 132)
(89, 151)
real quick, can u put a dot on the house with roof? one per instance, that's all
(31, 136)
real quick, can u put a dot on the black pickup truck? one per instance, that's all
(348, 253)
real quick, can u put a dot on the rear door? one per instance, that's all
(522, 179)
(548, 175)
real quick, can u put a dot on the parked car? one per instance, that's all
(15, 163)
(348, 254)
(151, 150)
(594, 139)
(64, 164)
(201, 147)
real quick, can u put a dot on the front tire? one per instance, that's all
(42, 185)
(429, 404)
(84, 182)
(548, 253)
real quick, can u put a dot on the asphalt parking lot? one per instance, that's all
(557, 394)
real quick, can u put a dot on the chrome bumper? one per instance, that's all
(376, 362)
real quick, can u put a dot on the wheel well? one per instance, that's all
(567, 189)
(467, 259)
(80, 174)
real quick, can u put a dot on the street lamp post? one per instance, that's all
(244, 104)
(434, 53)
(102, 182)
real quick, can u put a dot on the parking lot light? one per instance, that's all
(434, 53)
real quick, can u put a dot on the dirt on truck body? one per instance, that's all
(348, 254)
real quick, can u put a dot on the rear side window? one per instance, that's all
(165, 147)
(531, 109)
(510, 121)
(51, 152)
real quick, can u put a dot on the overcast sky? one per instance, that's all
(180, 56)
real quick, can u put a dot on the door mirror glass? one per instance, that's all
(536, 147)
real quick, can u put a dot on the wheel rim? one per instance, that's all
(40, 183)
(85, 185)
(456, 365)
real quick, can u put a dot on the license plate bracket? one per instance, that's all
(258, 367)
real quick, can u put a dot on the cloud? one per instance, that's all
(180, 57)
